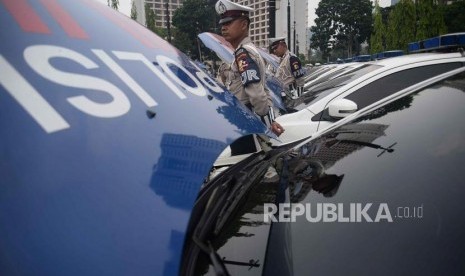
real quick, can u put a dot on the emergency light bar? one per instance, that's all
(361, 58)
(442, 42)
(387, 54)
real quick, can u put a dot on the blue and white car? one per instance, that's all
(107, 134)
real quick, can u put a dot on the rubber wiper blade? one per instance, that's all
(243, 185)
(215, 260)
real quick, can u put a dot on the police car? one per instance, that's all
(323, 104)
(336, 71)
(107, 134)
(379, 193)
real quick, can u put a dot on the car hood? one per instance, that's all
(107, 134)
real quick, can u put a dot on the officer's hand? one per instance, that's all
(277, 128)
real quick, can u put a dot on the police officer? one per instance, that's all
(290, 71)
(247, 82)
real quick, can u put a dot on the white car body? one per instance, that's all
(299, 125)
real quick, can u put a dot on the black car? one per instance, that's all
(378, 194)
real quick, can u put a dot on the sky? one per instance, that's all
(125, 7)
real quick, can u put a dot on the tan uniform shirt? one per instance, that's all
(284, 72)
(249, 86)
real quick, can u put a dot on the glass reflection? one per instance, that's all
(184, 162)
(308, 164)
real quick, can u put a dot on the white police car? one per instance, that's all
(337, 70)
(327, 102)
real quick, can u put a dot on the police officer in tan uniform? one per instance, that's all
(290, 71)
(247, 76)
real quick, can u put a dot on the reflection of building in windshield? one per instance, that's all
(185, 161)
(335, 149)
(308, 169)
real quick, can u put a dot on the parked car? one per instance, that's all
(107, 134)
(379, 193)
(329, 101)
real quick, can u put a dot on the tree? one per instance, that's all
(378, 33)
(401, 26)
(341, 24)
(354, 25)
(133, 10)
(430, 20)
(150, 18)
(323, 30)
(113, 3)
(454, 16)
(194, 17)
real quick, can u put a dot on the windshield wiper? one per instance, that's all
(218, 262)
(215, 260)
(256, 169)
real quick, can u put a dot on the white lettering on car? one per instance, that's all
(30, 99)
(139, 57)
(164, 62)
(126, 78)
(39, 57)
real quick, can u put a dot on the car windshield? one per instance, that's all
(321, 90)
(334, 74)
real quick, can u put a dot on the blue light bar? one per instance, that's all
(448, 41)
(387, 54)
(362, 58)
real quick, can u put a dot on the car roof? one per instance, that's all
(412, 58)
(387, 66)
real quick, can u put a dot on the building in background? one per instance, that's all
(259, 29)
(140, 11)
(159, 8)
(260, 18)
(299, 23)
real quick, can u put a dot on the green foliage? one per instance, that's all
(150, 18)
(430, 20)
(378, 33)
(133, 10)
(323, 30)
(194, 17)
(341, 24)
(410, 21)
(454, 16)
(113, 3)
(401, 26)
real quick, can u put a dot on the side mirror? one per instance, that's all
(341, 108)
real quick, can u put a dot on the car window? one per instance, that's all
(321, 90)
(344, 79)
(391, 84)
(395, 82)
(330, 75)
